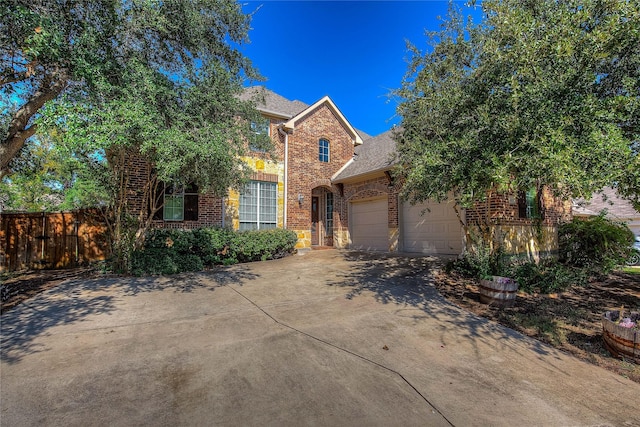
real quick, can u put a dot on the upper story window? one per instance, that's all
(260, 130)
(323, 150)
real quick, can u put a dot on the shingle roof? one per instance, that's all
(269, 101)
(617, 207)
(374, 155)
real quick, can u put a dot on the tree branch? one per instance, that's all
(18, 131)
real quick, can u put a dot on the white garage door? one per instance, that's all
(437, 232)
(369, 229)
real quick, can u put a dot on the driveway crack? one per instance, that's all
(342, 349)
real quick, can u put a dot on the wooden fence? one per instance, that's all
(51, 240)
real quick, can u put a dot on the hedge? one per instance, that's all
(168, 251)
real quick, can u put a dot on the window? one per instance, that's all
(529, 204)
(180, 203)
(323, 150)
(329, 215)
(259, 206)
(259, 129)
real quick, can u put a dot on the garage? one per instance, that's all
(369, 229)
(437, 232)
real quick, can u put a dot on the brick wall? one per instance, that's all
(525, 237)
(209, 206)
(306, 172)
(503, 209)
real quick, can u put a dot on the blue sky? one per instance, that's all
(353, 51)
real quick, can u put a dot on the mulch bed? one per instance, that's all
(569, 321)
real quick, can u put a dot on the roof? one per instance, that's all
(271, 103)
(291, 124)
(375, 155)
(617, 207)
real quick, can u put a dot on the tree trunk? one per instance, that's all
(19, 130)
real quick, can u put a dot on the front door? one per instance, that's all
(315, 240)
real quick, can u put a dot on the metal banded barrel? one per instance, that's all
(499, 291)
(619, 340)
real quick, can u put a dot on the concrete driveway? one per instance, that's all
(327, 338)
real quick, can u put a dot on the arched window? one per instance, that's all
(323, 150)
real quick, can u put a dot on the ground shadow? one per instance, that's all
(407, 280)
(73, 300)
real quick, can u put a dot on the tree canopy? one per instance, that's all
(538, 93)
(162, 75)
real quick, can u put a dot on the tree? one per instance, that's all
(157, 80)
(51, 46)
(540, 93)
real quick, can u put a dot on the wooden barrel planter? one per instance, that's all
(619, 340)
(499, 291)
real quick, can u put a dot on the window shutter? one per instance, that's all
(159, 200)
(522, 204)
(539, 203)
(190, 207)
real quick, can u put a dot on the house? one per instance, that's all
(332, 185)
(617, 208)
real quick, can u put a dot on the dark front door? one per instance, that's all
(314, 221)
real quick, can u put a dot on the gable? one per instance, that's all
(329, 104)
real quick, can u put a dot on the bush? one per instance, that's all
(169, 251)
(154, 261)
(481, 263)
(596, 244)
(547, 277)
(263, 245)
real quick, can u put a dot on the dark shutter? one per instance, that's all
(522, 204)
(190, 207)
(159, 200)
(539, 203)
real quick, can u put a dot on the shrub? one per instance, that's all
(546, 277)
(481, 263)
(169, 251)
(263, 245)
(596, 244)
(154, 261)
(213, 245)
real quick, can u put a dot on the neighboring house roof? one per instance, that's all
(270, 103)
(617, 207)
(375, 155)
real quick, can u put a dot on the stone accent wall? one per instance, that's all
(265, 170)
(524, 237)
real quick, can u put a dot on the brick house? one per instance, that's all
(332, 185)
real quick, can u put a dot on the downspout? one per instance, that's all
(286, 174)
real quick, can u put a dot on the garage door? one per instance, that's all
(437, 232)
(369, 229)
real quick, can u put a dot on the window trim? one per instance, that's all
(529, 204)
(180, 193)
(263, 128)
(263, 219)
(321, 148)
(329, 206)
